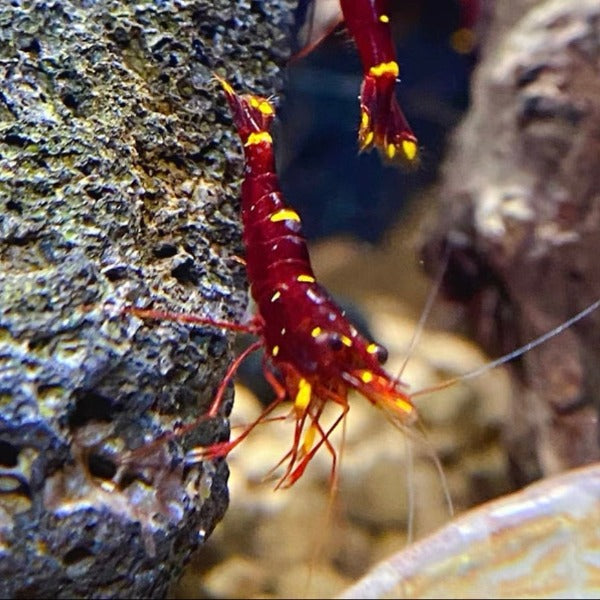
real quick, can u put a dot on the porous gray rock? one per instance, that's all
(117, 164)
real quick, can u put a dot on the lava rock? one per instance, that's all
(116, 189)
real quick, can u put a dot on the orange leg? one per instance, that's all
(278, 387)
(212, 412)
(221, 449)
(297, 453)
(292, 455)
(341, 399)
(330, 448)
(254, 326)
(300, 468)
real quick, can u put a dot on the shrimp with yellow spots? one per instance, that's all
(317, 352)
(318, 355)
(313, 355)
(382, 122)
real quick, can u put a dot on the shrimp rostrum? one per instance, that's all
(318, 355)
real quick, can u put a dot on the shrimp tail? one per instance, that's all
(382, 122)
(252, 115)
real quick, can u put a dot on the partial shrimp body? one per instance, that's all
(541, 542)
(382, 122)
(307, 338)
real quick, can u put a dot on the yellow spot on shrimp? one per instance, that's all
(373, 348)
(263, 106)
(276, 296)
(364, 120)
(385, 68)
(303, 396)
(316, 332)
(228, 89)
(275, 350)
(305, 279)
(390, 151)
(404, 406)
(384, 18)
(259, 137)
(346, 340)
(285, 214)
(409, 148)
(309, 438)
(368, 139)
(366, 376)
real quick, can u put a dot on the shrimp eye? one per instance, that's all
(335, 341)
(379, 351)
(382, 355)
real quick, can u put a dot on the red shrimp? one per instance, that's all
(318, 353)
(382, 122)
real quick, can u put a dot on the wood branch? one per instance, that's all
(521, 216)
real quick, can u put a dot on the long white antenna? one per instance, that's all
(410, 489)
(431, 296)
(514, 354)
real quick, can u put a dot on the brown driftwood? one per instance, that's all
(521, 220)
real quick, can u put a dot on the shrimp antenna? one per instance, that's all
(512, 355)
(431, 296)
(424, 440)
(410, 479)
(438, 465)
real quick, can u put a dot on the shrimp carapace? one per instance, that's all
(382, 122)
